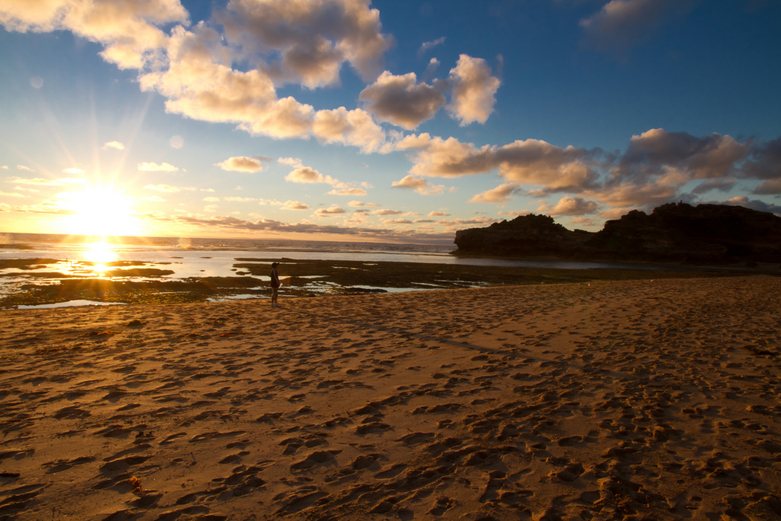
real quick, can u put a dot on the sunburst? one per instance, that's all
(100, 211)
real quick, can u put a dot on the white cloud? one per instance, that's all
(308, 175)
(346, 190)
(348, 127)
(480, 220)
(281, 119)
(361, 204)
(290, 161)
(529, 161)
(655, 151)
(271, 226)
(500, 194)
(113, 145)
(538, 162)
(303, 174)
(24, 168)
(418, 184)
(74, 170)
(427, 46)
(622, 23)
(387, 211)
(765, 161)
(569, 206)
(655, 168)
(200, 83)
(770, 186)
(401, 100)
(431, 68)
(40, 208)
(310, 39)
(151, 166)
(294, 205)
(128, 30)
(241, 164)
(284, 205)
(21, 15)
(434, 156)
(44, 182)
(630, 194)
(473, 90)
(330, 211)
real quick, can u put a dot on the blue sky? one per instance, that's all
(273, 119)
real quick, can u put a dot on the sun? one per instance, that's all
(100, 210)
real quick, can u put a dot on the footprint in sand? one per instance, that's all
(416, 438)
(441, 505)
(316, 459)
(372, 427)
(72, 412)
(214, 435)
(367, 461)
(122, 465)
(15, 453)
(60, 465)
(17, 499)
(298, 499)
(392, 471)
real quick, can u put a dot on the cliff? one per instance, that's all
(672, 232)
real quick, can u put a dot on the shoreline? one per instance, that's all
(130, 282)
(610, 400)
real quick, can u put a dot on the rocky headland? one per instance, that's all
(678, 232)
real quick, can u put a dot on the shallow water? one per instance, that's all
(188, 263)
(219, 258)
(69, 304)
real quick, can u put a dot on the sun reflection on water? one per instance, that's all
(100, 255)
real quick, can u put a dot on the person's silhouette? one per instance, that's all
(275, 284)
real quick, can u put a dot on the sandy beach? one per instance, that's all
(650, 399)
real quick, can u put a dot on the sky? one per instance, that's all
(380, 121)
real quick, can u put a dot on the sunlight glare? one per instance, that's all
(100, 210)
(100, 254)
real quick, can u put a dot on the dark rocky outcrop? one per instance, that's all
(527, 235)
(707, 233)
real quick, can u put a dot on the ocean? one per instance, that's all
(31, 264)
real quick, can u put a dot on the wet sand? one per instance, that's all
(649, 399)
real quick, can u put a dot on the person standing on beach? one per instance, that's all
(275, 284)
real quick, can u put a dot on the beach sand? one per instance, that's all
(653, 399)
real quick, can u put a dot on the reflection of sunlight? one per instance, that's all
(100, 254)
